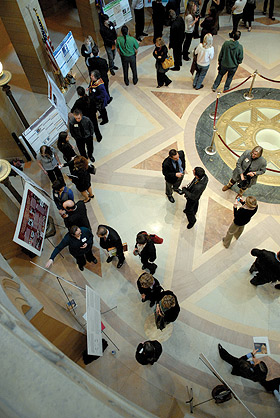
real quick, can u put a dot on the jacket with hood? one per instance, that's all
(231, 54)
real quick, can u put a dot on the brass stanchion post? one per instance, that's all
(249, 95)
(211, 149)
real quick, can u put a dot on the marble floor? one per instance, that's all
(218, 304)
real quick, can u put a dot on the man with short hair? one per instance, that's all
(75, 214)
(81, 129)
(267, 266)
(100, 64)
(109, 238)
(173, 169)
(193, 193)
(230, 56)
(109, 36)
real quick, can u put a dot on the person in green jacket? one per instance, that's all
(231, 55)
(127, 47)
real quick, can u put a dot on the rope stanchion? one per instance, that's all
(211, 149)
(249, 95)
(214, 115)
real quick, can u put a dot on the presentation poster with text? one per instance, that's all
(66, 54)
(119, 12)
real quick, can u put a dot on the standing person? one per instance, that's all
(88, 48)
(100, 64)
(127, 48)
(148, 352)
(176, 38)
(209, 24)
(88, 109)
(267, 267)
(166, 310)
(271, 8)
(80, 176)
(197, 16)
(61, 194)
(98, 93)
(109, 36)
(139, 14)
(173, 169)
(109, 238)
(242, 216)
(149, 288)
(237, 13)
(81, 129)
(146, 250)
(248, 13)
(230, 56)
(158, 16)
(193, 193)
(249, 166)
(160, 53)
(79, 241)
(75, 214)
(49, 163)
(190, 20)
(65, 147)
(205, 53)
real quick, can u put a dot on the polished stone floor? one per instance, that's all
(218, 304)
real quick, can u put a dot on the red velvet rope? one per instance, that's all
(233, 88)
(268, 79)
(268, 169)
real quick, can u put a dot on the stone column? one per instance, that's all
(88, 14)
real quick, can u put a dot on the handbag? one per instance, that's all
(168, 63)
(194, 64)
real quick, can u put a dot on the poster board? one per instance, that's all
(26, 178)
(32, 220)
(45, 130)
(66, 54)
(94, 339)
(56, 98)
(119, 12)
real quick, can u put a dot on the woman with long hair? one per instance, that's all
(88, 47)
(127, 47)
(49, 163)
(160, 53)
(205, 53)
(65, 147)
(190, 21)
(80, 176)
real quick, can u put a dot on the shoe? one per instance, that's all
(91, 196)
(139, 39)
(249, 29)
(92, 159)
(264, 13)
(194, 87)
(143, 267)
(99, 139)
(179, 191)
(201, 87)
(158, 87)
(94, 260)
(81, 268)
(187, 59)
(184, 211)
(224, 243)
(115, 68)
(272, 18)
(225, 188)
(253, 282)
(109, 259)
(112, 72)
(120, 264)
(126, 83)
(230, 35)
(168, 82)
(109, 101)
(86, 201)
(104, 122)
(277, 286)
(214, 90)
(145, 34)
(135, 82)
(175, 69)
(153, 270)
(189, 226)
(220, 348)
(171, 199)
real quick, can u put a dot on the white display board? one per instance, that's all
(32, 220)
(45, 130)
(93, 318)
(29, 180)
(56, 98)
(66, 54)
(119, 12)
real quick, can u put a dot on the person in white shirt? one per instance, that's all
(237, 12)
(205, 53)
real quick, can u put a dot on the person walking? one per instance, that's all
(249, 166)
(109, 36)
(173, 169)
(146, 250)
(49, 163)
(79, 241)
(176, 38)
(193, 193)
(160, 54)
(205, 53)
(81, 129)
(109, 238)
(98, 93)
(230, 56)
(242, 216)
(127, 47)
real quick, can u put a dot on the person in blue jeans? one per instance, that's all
(205, 53)
(231, 55)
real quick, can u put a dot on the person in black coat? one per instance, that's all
(176, 39)
(158, 15)
(88, 48)
(75, 214)
(65, 147)
(149, 288)
(167, 309)
(245, 366)
(160, 53)
(88, 108)
(80, 176)
(109, 238)
(100, 64)
(61, 193)
(267, 266)
(146, 249)
(148, 352)
(81, 129)
(79, 241)
(193, 193)
(109, 36)
(173, 169)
